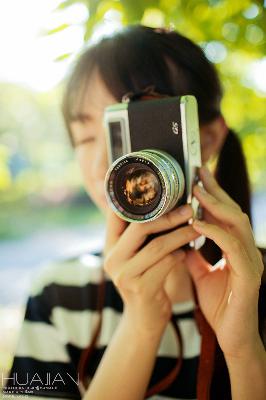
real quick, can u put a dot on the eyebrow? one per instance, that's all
(81, 142)
(82, 117)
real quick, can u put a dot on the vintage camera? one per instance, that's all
(154, 154)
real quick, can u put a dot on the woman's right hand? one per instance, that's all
(140, 273)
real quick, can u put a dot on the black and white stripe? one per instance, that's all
(60, 317)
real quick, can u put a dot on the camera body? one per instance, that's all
(154, 155)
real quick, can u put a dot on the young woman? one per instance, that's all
(147, 285)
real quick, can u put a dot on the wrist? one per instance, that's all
(253, 351)
(139, 332)
(247, 373)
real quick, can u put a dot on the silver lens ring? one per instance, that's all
(175, 176)
(159, 172)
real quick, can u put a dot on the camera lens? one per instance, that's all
(143, 185)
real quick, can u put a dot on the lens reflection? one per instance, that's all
(141, 187)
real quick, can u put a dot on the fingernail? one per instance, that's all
(198, 223)
(201, 189)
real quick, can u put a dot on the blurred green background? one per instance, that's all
(40, 185)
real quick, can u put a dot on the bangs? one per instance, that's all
(75, 91)
(137, 57)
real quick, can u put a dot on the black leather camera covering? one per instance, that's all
(151, 125)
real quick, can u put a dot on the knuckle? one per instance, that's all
(260, 262)
(137, 287)
(166, 310)
(107, 265)
(156, 246)
(159, 297)
(237, 207)
(179, 254)
(170, 259)
(169, 219)
(188, 233)
(216, 186)
(255, 282)
(260, 257)
(258, 280)
(119, 280)
(123, 282)
(236, 245)
(138, 229)
(214, 201)
(245, 218)
(141, 230)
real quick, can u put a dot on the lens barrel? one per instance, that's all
(143, 185)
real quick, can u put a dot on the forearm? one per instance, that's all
(248, 375)
(126, 367)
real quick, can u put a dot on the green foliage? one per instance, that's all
(33, 142)
(239, 23)
(58, 29)
(25, 217)
(36, 161)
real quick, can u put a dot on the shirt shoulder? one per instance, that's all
(73, 272)
(64, 289)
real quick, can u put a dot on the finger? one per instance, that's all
(222, 211)
(159, 248)
(197, 265)
(154, 277)
(136, 233)
(236, 220)
(241, 267)
(212, 186)
(114, 228)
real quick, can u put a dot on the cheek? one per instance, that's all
(205, 154)
(84, 165)
(87, 177)
(93, 167)
(83, 162)
(206, 146)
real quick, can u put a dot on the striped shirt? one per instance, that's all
(60, 318)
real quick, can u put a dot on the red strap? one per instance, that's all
(169, 379)
(207, 354)
(87, 353)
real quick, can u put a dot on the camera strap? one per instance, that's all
(207, 354)
(206, 362)
(87, 353)
(148, 93)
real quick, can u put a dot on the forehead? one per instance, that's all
(93, 95)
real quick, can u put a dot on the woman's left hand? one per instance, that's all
(228, 297)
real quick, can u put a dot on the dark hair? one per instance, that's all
(137, 57)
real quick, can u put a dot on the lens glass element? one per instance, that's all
(143, 185)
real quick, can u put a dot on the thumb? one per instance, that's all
(114, 229)
(197, 265)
